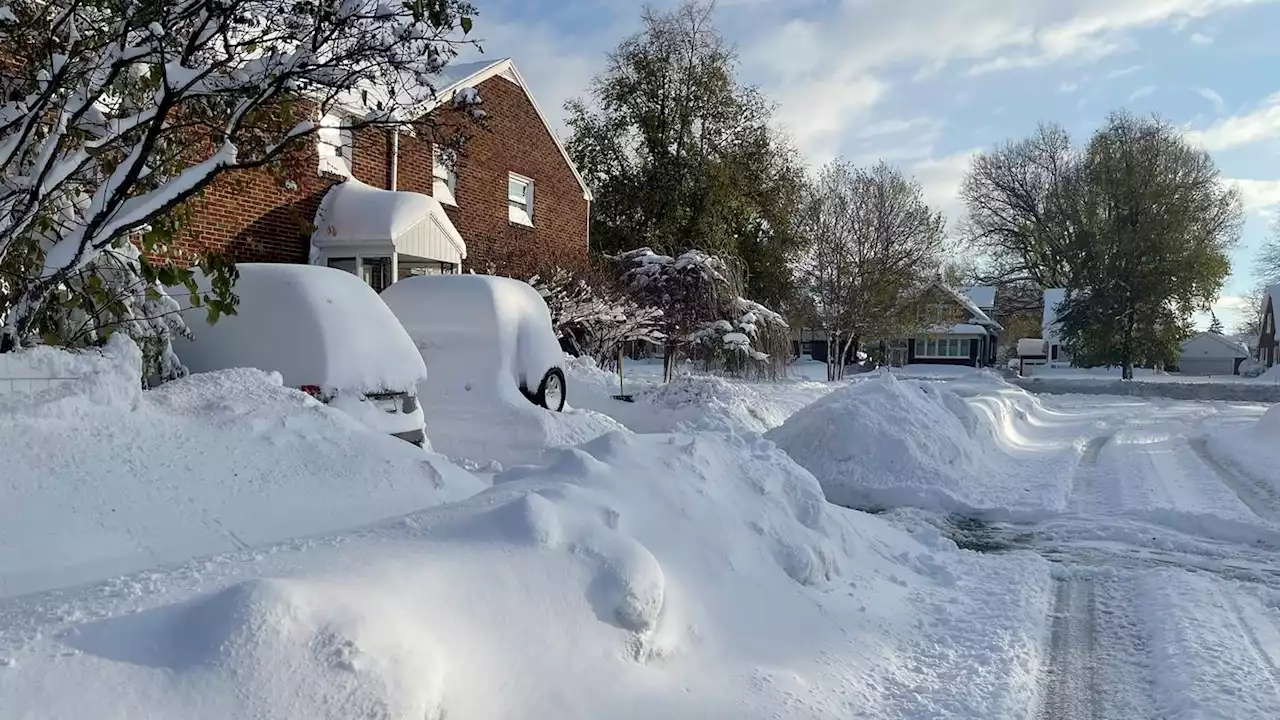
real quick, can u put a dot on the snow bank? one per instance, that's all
(1250, 454)
(690, 401)
(103, 478)
(74, 381)
(982, 447)
(313, 325)
(634, 577)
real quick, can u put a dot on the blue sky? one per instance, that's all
(926, 83)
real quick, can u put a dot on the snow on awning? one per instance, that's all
(353, 213)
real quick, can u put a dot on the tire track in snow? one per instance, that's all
(1069, 690)
(1250, 633)
(1261, 499)
(1084, 481)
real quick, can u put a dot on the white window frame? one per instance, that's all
(516, 213)
(444, 186)
(335, 146)
(944, 348)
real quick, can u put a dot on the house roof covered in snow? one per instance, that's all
(1229, 346)
(978, 316)
(354, 213)
(984, 296)
(455, 78)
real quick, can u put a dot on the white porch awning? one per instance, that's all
(353, 214)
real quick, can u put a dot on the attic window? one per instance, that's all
(445, 186)
(334, 146)
(520, 199)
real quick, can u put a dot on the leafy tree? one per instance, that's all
(680, 154)
(114, 112)
(1156, 224)
(871, 242)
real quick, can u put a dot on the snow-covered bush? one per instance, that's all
(701, 310)
(595, 320)
(114, 114)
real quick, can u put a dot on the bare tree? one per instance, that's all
(872, 243)
(1023, 201)
(113, 113)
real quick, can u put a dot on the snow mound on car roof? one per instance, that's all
(313, 325)
(482, 336)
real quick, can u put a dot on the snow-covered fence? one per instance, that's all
(19, 376)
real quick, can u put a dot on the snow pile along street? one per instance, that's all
(687, 575)
(103, 478)
(884, 442)
(690, 401)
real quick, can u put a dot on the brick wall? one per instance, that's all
(265, 215)
(515, 140)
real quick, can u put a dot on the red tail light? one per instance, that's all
(313, 391)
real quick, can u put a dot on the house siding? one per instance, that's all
(516, 141)
(266, 215)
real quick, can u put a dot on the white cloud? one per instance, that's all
(1201, 39)
(1213, 97)
(930, 127)
(1258, 194)
(1230, 309)
(818, 112)
(1263, 123)
(1142, 92)
(1122, 72)
(1069, 87)
(941, 178)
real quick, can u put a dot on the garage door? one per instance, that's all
(1207, 366)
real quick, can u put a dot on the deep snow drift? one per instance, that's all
(635, 577)
(884, 442)
(102, 478)
(689, 401)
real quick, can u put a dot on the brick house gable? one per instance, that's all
(265, 215)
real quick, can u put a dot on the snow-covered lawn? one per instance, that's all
(228, 548)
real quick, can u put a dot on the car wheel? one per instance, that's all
(551, 391)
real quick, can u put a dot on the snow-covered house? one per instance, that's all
(1210, 353)
(961, 329)
(1051, 326)
(381, 203)
(1268, 353)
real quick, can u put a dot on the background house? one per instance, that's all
(955, 328)
(1267, 351)
(511, 202)
(1211, 354)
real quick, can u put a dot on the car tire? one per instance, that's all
(547, 396)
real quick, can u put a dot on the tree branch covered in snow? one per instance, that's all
(113, 113)
(593, 319)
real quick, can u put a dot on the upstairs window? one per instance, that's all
(334, 146)
(520, 199)
(445, 187)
